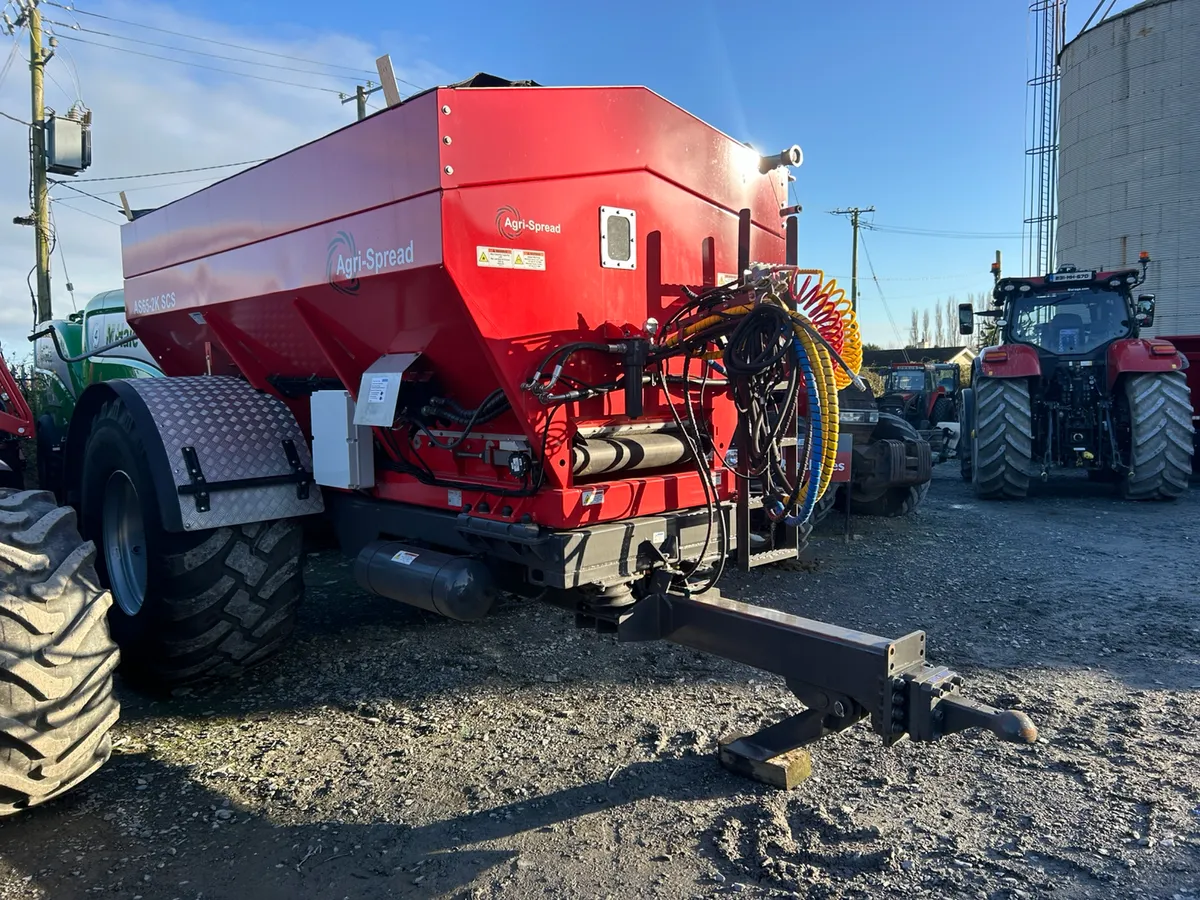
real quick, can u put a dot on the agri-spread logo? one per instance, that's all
(345, 263)
(511, 226)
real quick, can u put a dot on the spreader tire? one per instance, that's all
(188, 607)
(1161, 436)
(56, 655)
(1003, 439)
(901, 499)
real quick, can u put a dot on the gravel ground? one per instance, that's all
(391, 754)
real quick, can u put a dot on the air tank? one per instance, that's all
(1129, 164)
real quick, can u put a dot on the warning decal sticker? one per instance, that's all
(378, 389)
(404, 557)
(507, 258)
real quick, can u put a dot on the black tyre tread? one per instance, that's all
(965, 458)
(898, 501)
(227, 610)
(57, 658)
(901, 499)
(1161, 436)
(1003, 438)
(220, 601)
(943, 411)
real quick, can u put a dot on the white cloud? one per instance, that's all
(152, 115)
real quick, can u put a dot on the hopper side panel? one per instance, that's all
(375, 260)
(504, 135)
(381, 160)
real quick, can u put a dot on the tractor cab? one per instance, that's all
(948, 377)
(921, 393)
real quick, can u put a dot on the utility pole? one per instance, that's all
(360, 97)
(41, 198)
(853, 212)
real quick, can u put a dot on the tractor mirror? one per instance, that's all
(966, 318)
(1145, 310)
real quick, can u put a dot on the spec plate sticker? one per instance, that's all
(454, 498)
(404, 557)
(377, 392)
(508, 258)
(592, 497)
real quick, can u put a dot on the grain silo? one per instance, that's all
(1129, 165)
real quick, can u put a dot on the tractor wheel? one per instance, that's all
(966, 425)
(1003, 438)
(901, 499)
(1160, 436)
(56, 655)
(187, 607)
(943, 411)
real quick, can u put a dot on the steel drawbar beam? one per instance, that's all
(840, 674)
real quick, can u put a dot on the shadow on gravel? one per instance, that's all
(186, 841)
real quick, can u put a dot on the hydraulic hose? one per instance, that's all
(826, 306)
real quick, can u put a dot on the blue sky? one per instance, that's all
(917, 108)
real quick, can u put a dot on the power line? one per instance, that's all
(879, 288)
(63, 256)
(72, 187)
(167, 184)
(13, 52)
(248, 62)
(248, 162)
(192, 37)
(15, 119)
(941, 233)
(56, 202)
(195, 65)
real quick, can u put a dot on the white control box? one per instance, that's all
(343, 453)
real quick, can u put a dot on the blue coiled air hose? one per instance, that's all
(815, 447)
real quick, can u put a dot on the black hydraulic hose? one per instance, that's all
(74, 359)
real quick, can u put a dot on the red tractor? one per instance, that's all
(1072, 384)
(922, 394)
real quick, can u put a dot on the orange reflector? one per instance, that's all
(1144, 255)
(1162, 348)
(995, 356)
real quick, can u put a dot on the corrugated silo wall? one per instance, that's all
(1129, 166)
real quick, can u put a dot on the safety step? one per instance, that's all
(767, 557)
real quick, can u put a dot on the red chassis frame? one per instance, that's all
(20, 424)
(388, 236)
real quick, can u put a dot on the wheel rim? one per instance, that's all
(125, 543)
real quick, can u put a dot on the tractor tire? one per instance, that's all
(56, 655)
(1002, 445)
(943, 411)
(903, 498)
(966, 425)
(1161, 436)
(187, 607)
